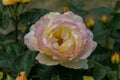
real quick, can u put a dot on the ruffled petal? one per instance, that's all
(88, 49)
(51, 15)
(44, 59)
(76, 18)
(76, 64)
(30, 40)
(90, 35)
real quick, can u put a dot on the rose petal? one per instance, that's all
(90, 35)
(52, 15)
(44, 59)
(76, 64)
(76, 18)
(88, 49)
(30, 40)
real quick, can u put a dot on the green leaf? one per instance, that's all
(112, 75)
(76, 10)
(100, 54)
(4, 17)
(14, 58)
(31, 16)
(4, 20)
(68, 74)
(115, 22)
(99, 73)
(79, 4)
(115, 34)
(2, 37)
(117, 46)
(101, 10)
(118, 71)
(55, 77)
(117, 5)
(63, 73)
(100, 31)
(41, 72)
(11, 35)
(1, 6)
(24, 62)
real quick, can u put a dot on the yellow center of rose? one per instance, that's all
(61, 38)
(59, 41)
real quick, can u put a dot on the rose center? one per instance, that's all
(59, 41)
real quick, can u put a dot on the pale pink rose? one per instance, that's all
(61, 39)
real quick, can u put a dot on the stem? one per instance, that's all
(14, 11)
(22, 8)
(118, 72)
(16, 20)
(16, 31)
(107, 41)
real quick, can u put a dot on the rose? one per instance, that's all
(61, 39)
(8, 2)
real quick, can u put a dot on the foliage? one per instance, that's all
(15, 57)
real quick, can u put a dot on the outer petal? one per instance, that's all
(76, 64)
(90, 35)
(89, 47)
(44, 59)
(30, 40)
(51, 15)
(73, 16)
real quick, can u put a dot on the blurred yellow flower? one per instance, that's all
(1, 75)
(22, 76)
(23, 29)
(88, 78)
(8, 77)
(8, 2)
(25, 1)
(11, 2)
(104, 19)
(90, 23)
(65, 9)
(115, 58)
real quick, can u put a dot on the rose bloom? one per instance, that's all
(8, 2)
(61, 39)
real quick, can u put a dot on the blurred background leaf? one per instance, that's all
(31, 16)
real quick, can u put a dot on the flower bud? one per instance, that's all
(65, 9)
(23, 29)
(22, 76)
(1, 75)
(88, 78)
(90, 23)
(115, 58)
(104, 19)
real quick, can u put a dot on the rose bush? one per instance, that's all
(61, 39)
